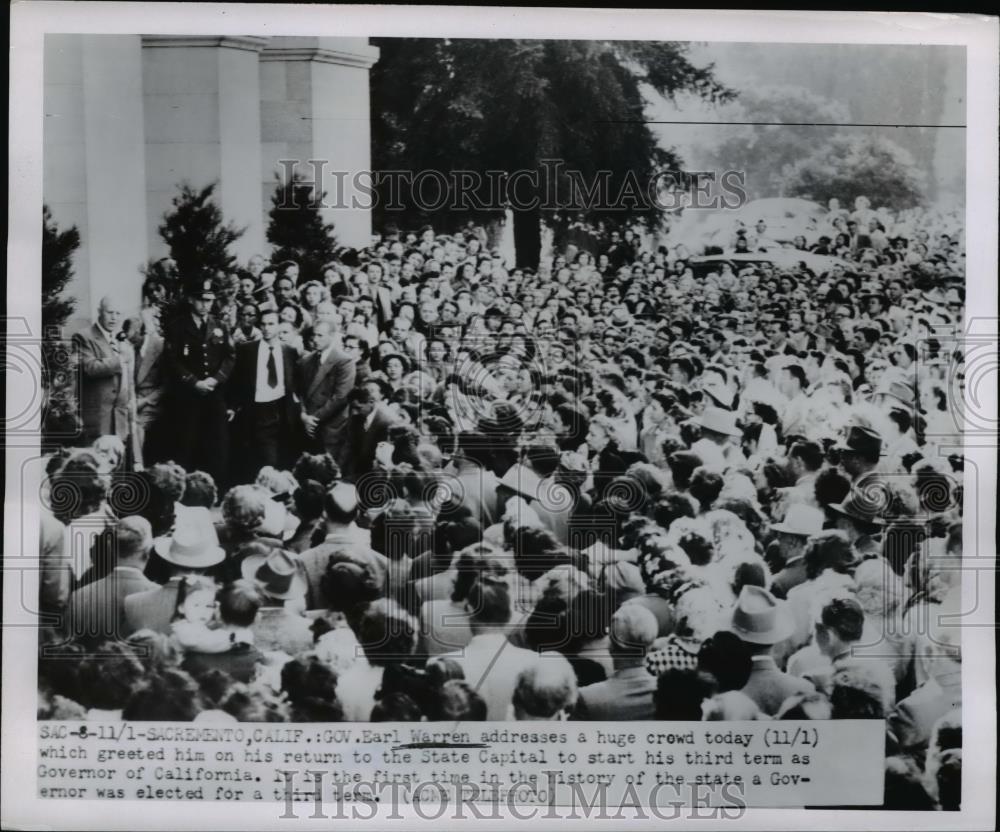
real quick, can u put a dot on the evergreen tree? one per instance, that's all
(483, 106)
(194, 231)
(59, 377)
(297, 230)
(846, 167)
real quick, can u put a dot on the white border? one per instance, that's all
(31, 20)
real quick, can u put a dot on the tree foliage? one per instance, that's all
(297, 229)
(782, 133)
(57, 271)
(59, 421)
(194, 231)
(510, 105)
(846, 167)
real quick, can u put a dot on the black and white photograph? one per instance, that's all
(401, 405)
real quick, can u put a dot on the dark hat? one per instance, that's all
(279, 574)
(861, 440)
(864, 505)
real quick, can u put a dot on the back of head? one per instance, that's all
(546, 689)
(387, 633)
(170, 696)
(680, 694)
(633, 630)
(726, 657)
(489, 601)
(341, 503)
(457, 701)
(239, 602)
(346, 584)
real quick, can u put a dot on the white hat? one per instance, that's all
(194, 543)
(522, 480)
(719, 421)
(801, 520)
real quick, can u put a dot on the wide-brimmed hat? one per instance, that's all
(899, 390)
(801, 520)
(718, 420)
(279, 574)
(194, 543)
(760, 618)
(718, 390)
(522, 480)
(865, 507)
(861, 440)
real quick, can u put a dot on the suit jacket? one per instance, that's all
(322, 388)
(149, 377)
(243, 384)
(152, 609)
(912, 721)
(54, 555)
(627, 694)
(107, 392)
(362, 442)
(769, 687)
(97, 610)
(347, 547)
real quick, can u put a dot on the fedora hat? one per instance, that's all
(863, 507)
(279, 574)
(861, 440)
(760, 618)
(194, 543)
(718, 420)
(801, 520)
(522, 481)
(899, 390)
(719, 391)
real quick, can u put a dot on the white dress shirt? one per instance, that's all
(263, 392)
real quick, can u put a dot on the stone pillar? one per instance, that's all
(315, 107)
(94, 161)
(202, 116)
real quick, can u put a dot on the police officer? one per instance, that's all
(199, 354)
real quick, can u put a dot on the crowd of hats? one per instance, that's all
(693, 465)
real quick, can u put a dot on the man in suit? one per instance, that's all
(381, 296)
(367, 426)
(628, 693)
(345, 541)
(97, 610)
(325, 378)
(262, 400)
(762, 621)
(800, 523)
(199, 359)
(148, 345)
(107, 392)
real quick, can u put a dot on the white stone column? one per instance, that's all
(315, 107)
(94, 165)
(202, 115)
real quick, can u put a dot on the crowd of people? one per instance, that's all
(430, 485)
